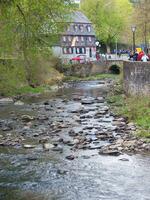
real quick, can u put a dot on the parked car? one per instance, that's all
(80, 59)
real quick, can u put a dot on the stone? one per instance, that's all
(87, 100)
(70, 157)
(109, 152)
(100, 100)
(58, 148)
(19, 103)
(124, 159)
(6, 100)
(72, 133)
(28, 146)
(48, 146)
(27, 118)
(62, 172)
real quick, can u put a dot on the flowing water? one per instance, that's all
(35, 174)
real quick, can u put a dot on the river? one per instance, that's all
(71, 168)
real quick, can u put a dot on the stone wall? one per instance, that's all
(93, 68)
(136, 77)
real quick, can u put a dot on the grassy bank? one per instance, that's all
(88, 78)
(136, 109)
(13, 75)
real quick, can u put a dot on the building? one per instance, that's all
(78, 39)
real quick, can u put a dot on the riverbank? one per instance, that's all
(134, 109)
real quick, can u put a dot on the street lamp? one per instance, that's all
(133, 28)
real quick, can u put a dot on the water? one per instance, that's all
(47, 175)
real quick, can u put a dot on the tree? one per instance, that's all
(141, 18)
(29, 25)
(109, 18)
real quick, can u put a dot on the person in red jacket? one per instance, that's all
(140, 55)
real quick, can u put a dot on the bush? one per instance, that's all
(12, 76)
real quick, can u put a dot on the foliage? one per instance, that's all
(28, 26)
(141, 18)
(136, 109)
(13, 79)
(109, 17)
(10, 76)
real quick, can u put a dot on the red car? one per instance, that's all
(79, 59)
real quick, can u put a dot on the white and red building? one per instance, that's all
(78, 39)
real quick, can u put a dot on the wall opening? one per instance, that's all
(114, 69)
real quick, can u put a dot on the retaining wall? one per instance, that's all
(93, 68)
(136, 77)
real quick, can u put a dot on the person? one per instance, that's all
(144, 58)
(97, 56)
(141, 53)
(131, 55)
(135, 56)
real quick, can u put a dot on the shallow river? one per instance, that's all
(35, 174)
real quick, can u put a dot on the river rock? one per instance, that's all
(27, 118)
(100, 99)
(124, 159)
(57, 148)
(72, 133)
(87, 100)
(6, 100)
(70, 157)
(28, 146)
(48, 146)
(109, 152)
(19, 103)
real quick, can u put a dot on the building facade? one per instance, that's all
(78, 39)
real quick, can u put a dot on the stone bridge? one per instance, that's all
(97, 67)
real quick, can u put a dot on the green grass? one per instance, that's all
(92, 77)
(28, 89)
(136, 109)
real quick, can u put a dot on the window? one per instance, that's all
(82, 38)
(68, 50)
(77, 50)
(81, 28)
(64, 50)
(64, 38)
(90, 39)
(80, 50)
(77, 39)
(75, 28)
(69, 38)
(88, 28)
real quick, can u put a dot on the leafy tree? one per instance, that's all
(141, 18)
(109, 18)
(29, 25)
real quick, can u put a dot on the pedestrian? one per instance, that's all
(141, 53)
(135, 56)
(144, 58)
(131, 56)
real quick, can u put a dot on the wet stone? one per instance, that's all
(19, 103)
(27, 118)
(72, 133)
(109, 152)
(87, 100)
(28, 146)
(70, 157)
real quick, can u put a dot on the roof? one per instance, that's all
(79, 17)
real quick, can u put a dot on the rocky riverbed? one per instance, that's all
(72, 124)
